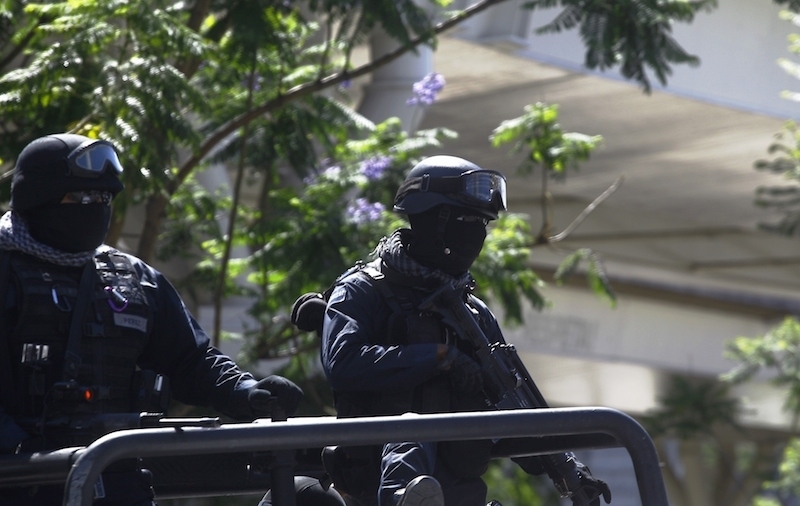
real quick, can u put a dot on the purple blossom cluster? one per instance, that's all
(333, 171)
(373, 168)
(364, 211)
(426, 89)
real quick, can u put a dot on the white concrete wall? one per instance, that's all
(738, 44)
(385, 95)
(582, 352)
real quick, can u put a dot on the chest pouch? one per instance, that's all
(423, 329)
(150, 391)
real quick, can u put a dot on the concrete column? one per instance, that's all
(391, 86)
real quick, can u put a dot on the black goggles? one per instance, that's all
(484, 188)
(91, 158)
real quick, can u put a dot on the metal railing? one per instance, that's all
(558, 429)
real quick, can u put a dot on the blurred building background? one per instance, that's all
(679, 238)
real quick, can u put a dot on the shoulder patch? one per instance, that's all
(338, 295)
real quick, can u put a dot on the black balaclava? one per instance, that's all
(73, 228)
(41, 179)
(441, 241)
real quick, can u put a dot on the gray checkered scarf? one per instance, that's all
(391, 251)
(14, 235)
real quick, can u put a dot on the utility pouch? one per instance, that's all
(355, 471)
(466, 459)
(150, 392)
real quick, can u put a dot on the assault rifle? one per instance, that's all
(506, 382)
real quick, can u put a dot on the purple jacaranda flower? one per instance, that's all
(364, 211)
(332, 172)
(373, 168)
(425, 90)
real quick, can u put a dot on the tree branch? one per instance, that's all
(304, 90)
(19, 48)
(591, 207)
(157, 203)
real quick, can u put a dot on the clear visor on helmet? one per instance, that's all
(480, 189)
(90, 159)
(485, 189)
(485, 186)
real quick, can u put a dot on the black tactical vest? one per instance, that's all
(113, 330)
(409, 325)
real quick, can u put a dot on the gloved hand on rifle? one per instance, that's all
(271, 390)
(464, 373)
(573, 479)
(590, 488)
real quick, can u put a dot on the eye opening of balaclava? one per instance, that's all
(443, 239)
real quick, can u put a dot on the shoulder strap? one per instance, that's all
(72, 359)
(393, 294)
(355, 268)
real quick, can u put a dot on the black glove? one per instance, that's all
(308, 312)
(590, 489)
(464, 373)
(574, 480)
(266, 392)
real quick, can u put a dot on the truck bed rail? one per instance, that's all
(572, 428)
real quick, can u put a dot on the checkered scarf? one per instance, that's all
(14, 235)
(393, 253)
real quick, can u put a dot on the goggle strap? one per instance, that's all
(441, 184)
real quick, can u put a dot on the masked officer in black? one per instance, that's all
(382, 355)
(84, 326)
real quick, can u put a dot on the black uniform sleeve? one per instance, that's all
(352, 356)
(179, 349)
(11, 434)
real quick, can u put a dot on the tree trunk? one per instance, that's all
(154, 215)
(698, 480)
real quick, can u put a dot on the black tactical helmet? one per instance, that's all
(445, 179)
(52, 166)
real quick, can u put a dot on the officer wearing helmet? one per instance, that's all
(382, 355)
(88, 330)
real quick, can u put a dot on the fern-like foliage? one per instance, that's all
(784, 199)
(777, 352)
(632, 34)
(692, 407)
(792, 5)
(595, 274)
